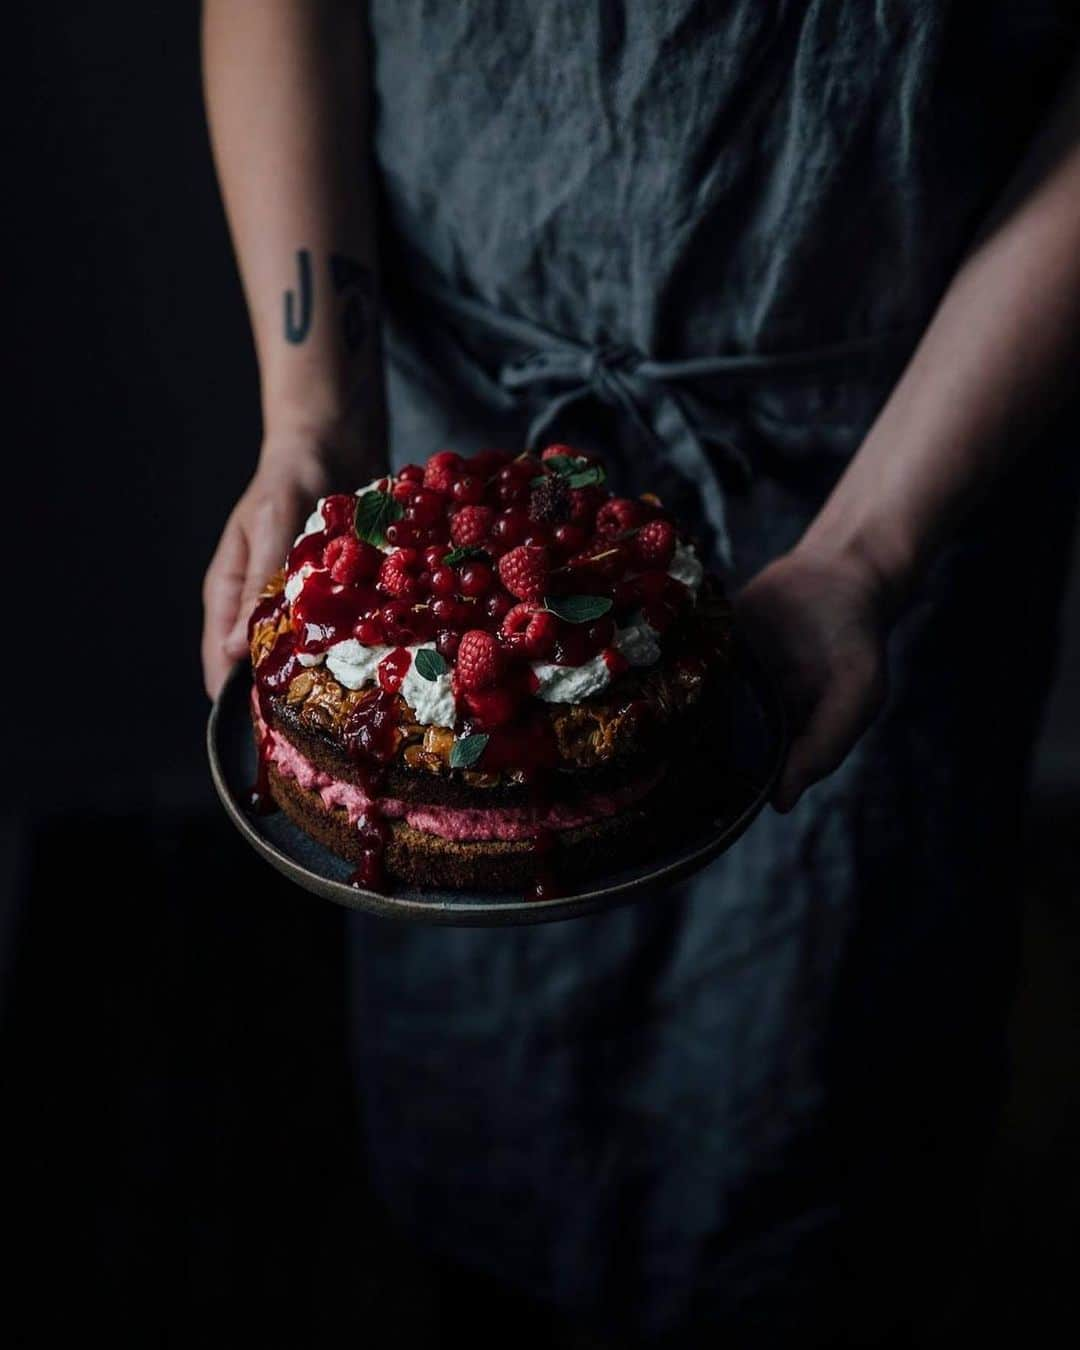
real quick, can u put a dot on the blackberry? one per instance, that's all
(549, 499)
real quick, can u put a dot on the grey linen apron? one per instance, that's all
(704, 238)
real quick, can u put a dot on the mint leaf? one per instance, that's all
(578, 608)
(457, 555)
(465, 753)
(374, 511)
(586, 477)
(429, 664)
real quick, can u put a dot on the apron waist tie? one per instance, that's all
(662, 400)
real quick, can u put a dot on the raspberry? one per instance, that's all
(549, 499)
(470, 526)
(338, 512)
(441, 470)
(351, 560)
(617, 515)
(524, 570)
(479, 660)
(395, 578)
(655, 544)
(559, 452)
(534, 630)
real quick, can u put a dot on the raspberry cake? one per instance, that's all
(488, 674)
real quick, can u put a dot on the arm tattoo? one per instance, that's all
(297, 327)
(353, 283)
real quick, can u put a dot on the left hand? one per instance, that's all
(819, 619)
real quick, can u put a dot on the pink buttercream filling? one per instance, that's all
(460, 823)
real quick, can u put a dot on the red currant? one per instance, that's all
(370, 632)
(395, 616)
(568, 538)
(468, 490)
(447, 643)
(475, 579)
(510, 527)
(425, 508)
(412, 473)
(443, 580)
(451, 613)
(400, 532)
(498, 605)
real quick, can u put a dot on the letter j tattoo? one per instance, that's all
(297, 326)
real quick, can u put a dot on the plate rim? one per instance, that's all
(506, 913)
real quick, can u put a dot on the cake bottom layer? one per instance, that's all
(427, 860)
(461, 823)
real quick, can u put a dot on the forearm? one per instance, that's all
(287, 102)
(989, 368)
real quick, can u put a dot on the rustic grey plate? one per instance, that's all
(758, 741)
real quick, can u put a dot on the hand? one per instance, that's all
(819, 620)
(253, 545)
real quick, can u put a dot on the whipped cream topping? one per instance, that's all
(638, 644)
(432, 701)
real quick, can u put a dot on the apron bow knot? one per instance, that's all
(683, 410)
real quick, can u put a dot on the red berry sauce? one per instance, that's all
(545, 884)
(393, 668)
(326, 612)
(370, 873)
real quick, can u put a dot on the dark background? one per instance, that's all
(180, 1159)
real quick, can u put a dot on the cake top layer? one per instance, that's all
(477, 594)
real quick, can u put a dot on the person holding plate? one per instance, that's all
(811, 272)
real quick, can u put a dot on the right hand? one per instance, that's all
(253, 545)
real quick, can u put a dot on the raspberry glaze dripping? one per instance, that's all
(272, 675)
(393, 668)
(260, 798)
(326, 612)
(370, 873)
(545, 885)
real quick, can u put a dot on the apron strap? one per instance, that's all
(663, 401)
